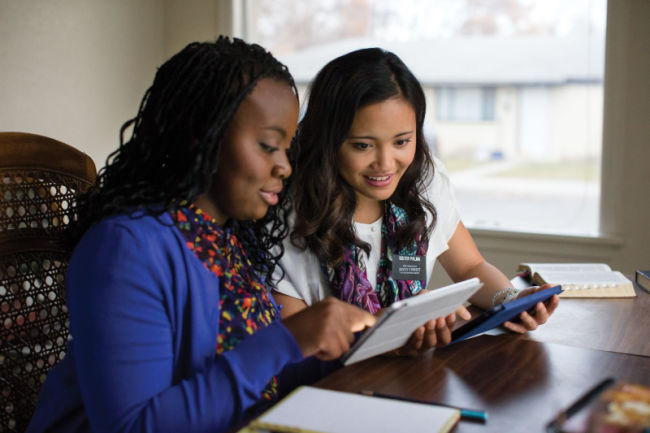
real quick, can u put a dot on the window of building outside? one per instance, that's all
(473, 104)
(514, 93)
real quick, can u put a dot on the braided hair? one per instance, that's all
(176, 139)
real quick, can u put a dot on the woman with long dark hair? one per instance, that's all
(368, 196)
(173, 324)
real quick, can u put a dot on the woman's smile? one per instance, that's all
(380, 181)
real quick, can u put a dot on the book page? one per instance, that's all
(543, 268)
(591, 284)
(581, 280)
(309, 409)
(595, 279)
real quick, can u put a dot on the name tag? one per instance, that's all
(409, 267)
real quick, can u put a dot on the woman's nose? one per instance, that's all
(384, 159)
(282, 167)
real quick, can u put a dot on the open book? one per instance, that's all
(316, 410)
(580, 280)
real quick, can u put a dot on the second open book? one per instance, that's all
(580, 280)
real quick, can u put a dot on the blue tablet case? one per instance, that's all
(501, 313)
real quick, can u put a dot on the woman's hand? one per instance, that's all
(326, 329)
(434, 333)
(543, 311)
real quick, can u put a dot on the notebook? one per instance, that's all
(315, 410)
(580, 280)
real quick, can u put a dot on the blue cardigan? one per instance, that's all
(144, 315)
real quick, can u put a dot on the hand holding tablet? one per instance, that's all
(398, 322)
(501, 313)
(396, 325)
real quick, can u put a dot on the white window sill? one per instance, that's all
(600, 240)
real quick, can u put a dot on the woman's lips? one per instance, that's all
(270, 197)
(379, 181)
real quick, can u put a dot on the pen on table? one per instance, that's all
(556, 424)
(465, 414)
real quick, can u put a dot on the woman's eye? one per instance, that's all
(403, 142)
(267, 148)
(361, 146)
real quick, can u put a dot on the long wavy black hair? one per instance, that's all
(176, 139)
(324, 201)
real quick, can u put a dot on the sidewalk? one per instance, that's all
(488, 201)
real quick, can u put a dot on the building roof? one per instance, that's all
(530, 60)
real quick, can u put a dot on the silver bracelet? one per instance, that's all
(510, 292)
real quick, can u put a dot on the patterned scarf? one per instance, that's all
(244, 303)
(349, 280)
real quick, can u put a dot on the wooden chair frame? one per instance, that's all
(40, 179)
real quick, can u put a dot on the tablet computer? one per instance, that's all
(393, 329)
(501, 313)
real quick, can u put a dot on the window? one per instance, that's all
(514, 91)
(464, 104)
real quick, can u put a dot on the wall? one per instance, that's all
(194, 20)
(575, 120)
(625, 207)
(468, 139)
(75, 70)
(552, 122)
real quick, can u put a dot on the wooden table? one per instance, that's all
(521, 380)
(616, 325)
(521, 383)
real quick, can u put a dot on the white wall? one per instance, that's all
(75, 70)
(575, 121)
(551, 122)
(194, 20)
(534, 121)
(465, 138)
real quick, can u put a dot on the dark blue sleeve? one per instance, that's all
(308, 371)
(126, 354)
(305, 372)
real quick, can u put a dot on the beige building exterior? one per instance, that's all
(553, 122)
(530, 97)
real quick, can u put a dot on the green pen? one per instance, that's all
(465, 414)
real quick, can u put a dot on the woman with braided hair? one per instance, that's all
(173, 325)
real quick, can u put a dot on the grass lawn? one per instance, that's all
(459, 164)
(588, 171)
